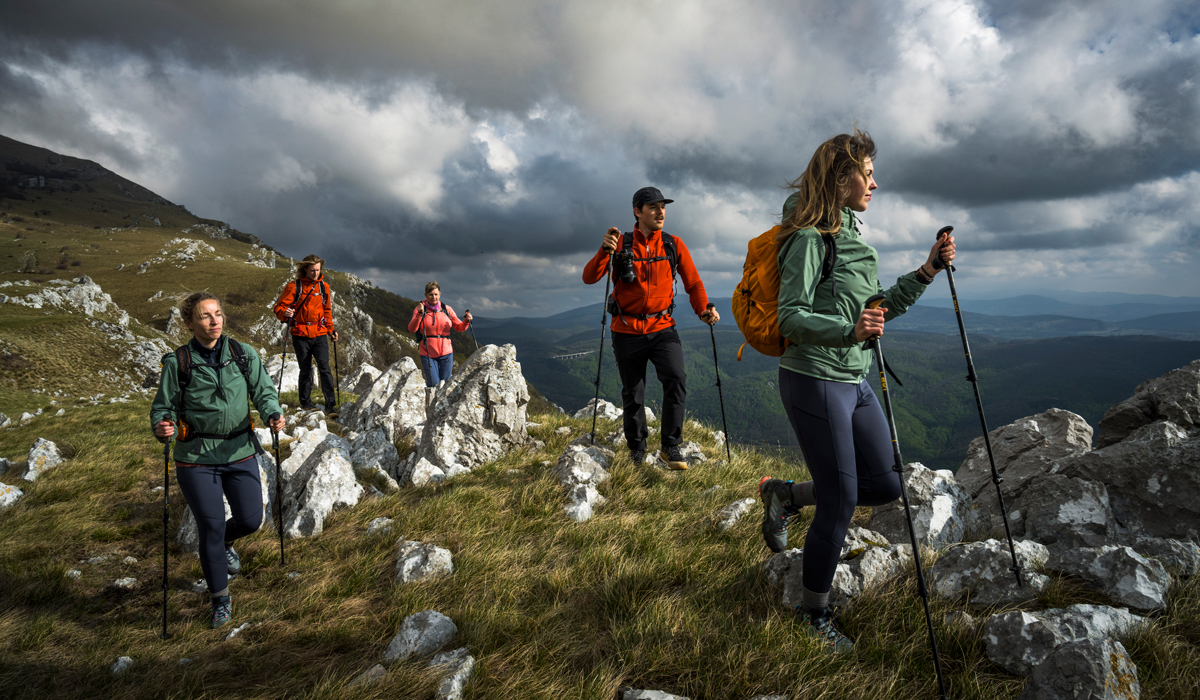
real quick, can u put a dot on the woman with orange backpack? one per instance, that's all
(826, 274)
(432, 321)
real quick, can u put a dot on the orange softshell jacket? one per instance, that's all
(435, 326)
(314, 314)
(653, 290)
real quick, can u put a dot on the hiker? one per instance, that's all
(645, 263)
(215, 449)
(432, 321)
(307, 307)
(841, 428)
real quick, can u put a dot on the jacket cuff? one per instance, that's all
(848, 339)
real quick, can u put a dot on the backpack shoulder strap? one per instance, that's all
(239, 357)
(326, 293)
(627, 242)
(183, 361)
(829, 262)
(672, 253)
(296, 296)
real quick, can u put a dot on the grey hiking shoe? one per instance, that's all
(222, 610)
(673, 457)
(776, 496)
(822, 628)
(235, 562)
(637, 456)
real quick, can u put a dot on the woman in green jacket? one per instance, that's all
(215, 449)
(841, 428)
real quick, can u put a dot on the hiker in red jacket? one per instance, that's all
(307, 307)
(432, 321)
(645, 263)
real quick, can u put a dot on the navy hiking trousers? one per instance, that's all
(848, 448)
(202, 486)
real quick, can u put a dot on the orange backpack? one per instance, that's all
(756, 298)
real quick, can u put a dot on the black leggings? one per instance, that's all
(203, 486)
(846, 442)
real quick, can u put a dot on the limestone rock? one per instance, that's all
(1085, 669)
(1173, 397)
(5, 421)
(420, 633)
(1024, 449)
(371, 449)
(393, 402)
(43, 456)
(9, 495)
(424, 472)
(582, 501)
(861, 567)
(1119, 572)
(692, 453)
(479, 414)
(939, 509)
(120, 666)
(459, 667)
(416, 561)
(606, 411)
(728, 516)
(291, 373)
(1152, 478)
(359, 380)
(318, 477)
(579, 469)
(635, 694)
(1179, 557)
(125, 584)
(371, 676)
(1019, 641)
(1064, 512)
(981, 569)
(380, 525)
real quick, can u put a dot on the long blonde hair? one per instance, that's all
(825, 183)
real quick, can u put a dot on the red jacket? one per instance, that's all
(314, 310)
(652, 291)
(431, 323)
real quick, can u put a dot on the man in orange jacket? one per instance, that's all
(307, 307)
(644, 267)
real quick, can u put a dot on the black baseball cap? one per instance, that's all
(649, 195)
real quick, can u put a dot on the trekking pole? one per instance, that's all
(720, 397)
(278, 492)
(938, 264)
(337, 384)
(600, 360)
(471, 327)
(283, 357)
(898, 467)
(166, 523)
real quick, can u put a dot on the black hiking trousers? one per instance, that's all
(203, 485)
(664, 350)
(848, 449)
(308, 349)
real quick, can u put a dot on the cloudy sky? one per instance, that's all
(490, 144)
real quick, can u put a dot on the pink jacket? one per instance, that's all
(435, 326)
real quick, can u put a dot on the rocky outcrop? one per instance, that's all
(478, 415)
(939, 506)
(372, 450)
(1173, 397)
(1119, 573)
(603, 409)
(318, 477)
(579, 470)
(394, 403)
(1019, 641)
(867, 559)
(1085, 669)
(982, 571)
(457, 667)
(360, 380)
(1063, 513)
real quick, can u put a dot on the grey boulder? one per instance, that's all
(43, 456)
(1018, 641)
(1174, 397)
(459, 667)
(1119, 572)
(1085, 669)
(417, 561)
(420, 633)
(605, 410)
(9, 495)
(939, 507)
(1181, 557)
(982, 571)
(1024, 449)
(1064, 512)
(394, 403)
(728, 516)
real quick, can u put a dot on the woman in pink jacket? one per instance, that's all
(432, 322)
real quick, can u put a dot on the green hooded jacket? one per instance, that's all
(215, 402)
(820, 325)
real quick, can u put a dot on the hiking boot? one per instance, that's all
(222, 610)
(331, 411)
(822, 628)
(637, 456)
(776, 496)
(673, 457)
(235, 562)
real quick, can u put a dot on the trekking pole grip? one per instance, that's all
(938, 263)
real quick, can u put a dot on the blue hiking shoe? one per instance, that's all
(222, 610)
(776, 496)
(821, 627)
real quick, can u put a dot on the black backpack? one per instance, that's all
(672, 259)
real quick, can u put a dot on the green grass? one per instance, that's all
(645, 594)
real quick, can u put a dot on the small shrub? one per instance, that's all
(75, 263)
(60, 266)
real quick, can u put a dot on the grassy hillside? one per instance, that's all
(644, 595)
